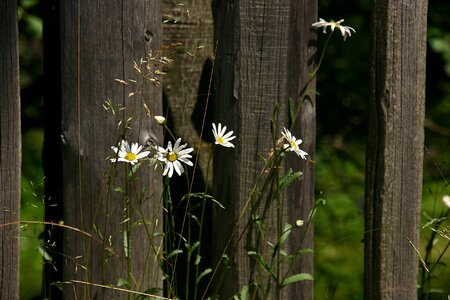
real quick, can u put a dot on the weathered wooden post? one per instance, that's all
(395, 149)
(265, 52)
(10, 151)
(99, 42)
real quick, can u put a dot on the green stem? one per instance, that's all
(127, 227)
(197, 267)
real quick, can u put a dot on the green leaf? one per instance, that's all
(133, 170)
(286, 231)
(59, 285)
(300, 252)
(243, 294)
(119, 190)
(198, 258)
(192, 248)
(289, 178)
(297, 278)
(262, 263)
(123, 283)
(174, 252)
(47, 257)
(203, 196)
(203, 274)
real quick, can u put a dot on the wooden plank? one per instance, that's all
(10, 151)
(395, 149)
(100, 40)
(264, 56)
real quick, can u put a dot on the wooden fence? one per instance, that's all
(261, 54)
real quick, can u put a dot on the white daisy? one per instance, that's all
(294, 144)
(127, 154)
(173, 157)
(220, 136)
(346, 31)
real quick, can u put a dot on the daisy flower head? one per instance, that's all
(220, 136)
(128, 154)
(346, 31)
(294, 144)
(172, 157)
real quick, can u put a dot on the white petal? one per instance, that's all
(178, 167)
(177, 144)
(142, 154)
(170, 165)
(226, 136)
(214, 130)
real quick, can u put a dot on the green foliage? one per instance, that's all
(32, 254)
(339, 226)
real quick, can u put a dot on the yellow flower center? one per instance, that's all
(172, 156)
(294, 145)
(220, 140)
(335, 24)
(130, 156)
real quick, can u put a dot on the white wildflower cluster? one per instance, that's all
(172, 158)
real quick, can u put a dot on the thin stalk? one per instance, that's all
(197, 267)
(127, 226)
(312, 76)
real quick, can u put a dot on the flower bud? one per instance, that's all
(160, 120)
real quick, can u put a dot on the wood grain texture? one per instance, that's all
(301, 196)
(100, 40)
(265, 51)
(395, 149)
(10, 151)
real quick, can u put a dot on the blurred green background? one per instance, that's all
(342, 130)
